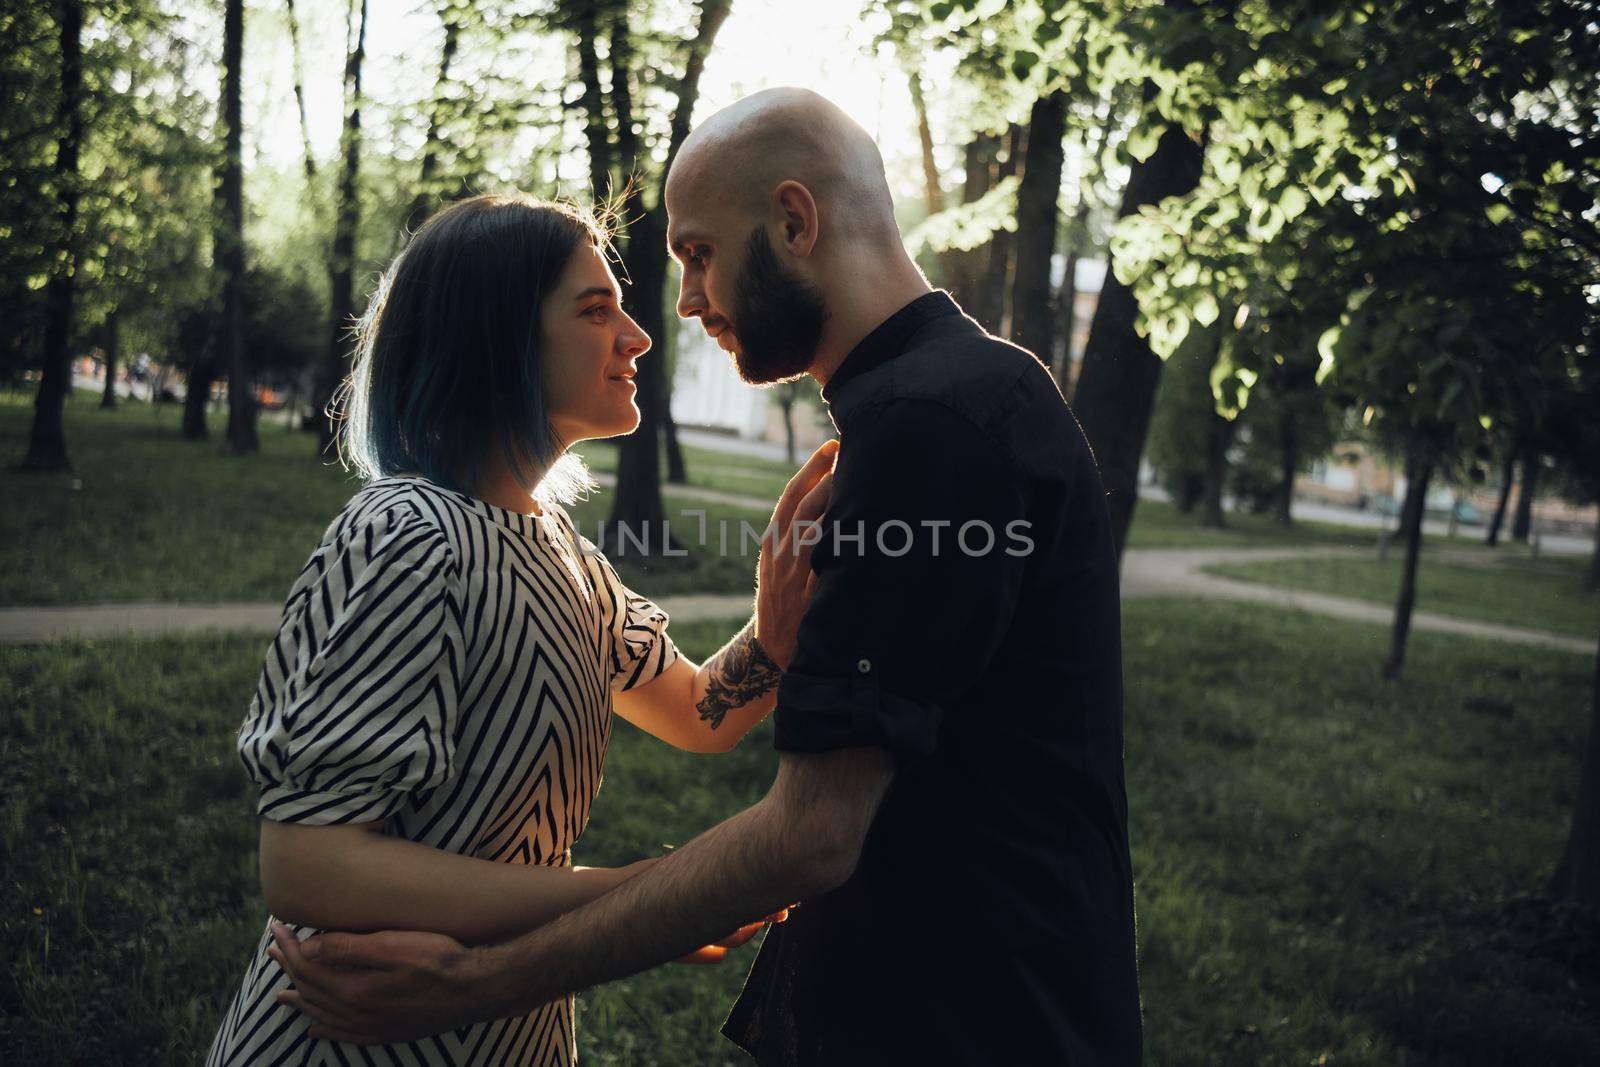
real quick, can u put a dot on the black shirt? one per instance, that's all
(965, 617)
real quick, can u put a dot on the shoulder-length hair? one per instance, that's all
(448, 367)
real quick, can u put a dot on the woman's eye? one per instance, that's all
(598, 312)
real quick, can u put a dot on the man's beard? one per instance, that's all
(777, 318)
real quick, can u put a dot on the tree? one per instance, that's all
(1097, 121)
(1189, 438)
(637, 504)
(297, 66)
(47, 442)
(1038, 194)
(341, 264)
(1117, 382)
(1575, 424)
(1507, 477)
(30, 80)
(433, 144)
(1522, 518)
(230, 241)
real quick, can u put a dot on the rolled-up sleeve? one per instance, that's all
(356, 706)
(923, 550)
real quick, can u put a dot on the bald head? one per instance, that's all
(779, 213)
(741, 154)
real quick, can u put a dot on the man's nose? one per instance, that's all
(691, 300)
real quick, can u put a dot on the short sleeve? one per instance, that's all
(355, 708)
(921, 558)
(636, 628)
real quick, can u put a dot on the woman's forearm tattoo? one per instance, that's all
(740, 673)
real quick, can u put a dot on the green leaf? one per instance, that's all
(1142, 141)
(1293, 201)
(1325, 349)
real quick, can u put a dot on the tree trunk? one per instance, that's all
(1067, 314)
(47, 440)
(108, 397)
(994, 279)
(1507, 478)
(1577, 876)
(637, 503)
(965, 268)
(1288, 461)
(1077, 237)
(786, 402)
(202, 372)
(593, 101)
(1118, 376)
(1038, 199)
(341, 266)
(932, 191)
(677, 470)
(230, 244)
(300, 91)
(1191, 489)
(1418, 471)
(1522, 522)
(1219, 435)
(1594, 558)
(422, 205)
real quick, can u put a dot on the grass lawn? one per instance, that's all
(1505, 585)
(1157, 524)
(145, 515)
(1330, 869)
(710, 469)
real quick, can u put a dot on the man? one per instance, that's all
(949, 806)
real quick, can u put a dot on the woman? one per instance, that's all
(431, 720)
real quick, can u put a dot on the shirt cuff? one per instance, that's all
(285, 803)
(823, 714)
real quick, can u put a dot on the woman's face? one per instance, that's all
(589, 347)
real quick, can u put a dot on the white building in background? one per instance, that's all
(708, 394)
(706, 391)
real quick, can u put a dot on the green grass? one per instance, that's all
(1157, 524)
(1504, 586)
(710, 469)
(145, 515)
(1330, 869)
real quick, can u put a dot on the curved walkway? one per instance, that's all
(1146, 573)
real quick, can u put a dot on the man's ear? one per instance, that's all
(797, 211)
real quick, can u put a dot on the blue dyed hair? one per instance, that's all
(448, 367)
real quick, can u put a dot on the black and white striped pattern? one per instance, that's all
(446, 666)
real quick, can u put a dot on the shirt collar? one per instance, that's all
(890, 339)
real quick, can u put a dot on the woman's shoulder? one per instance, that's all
(413, 508)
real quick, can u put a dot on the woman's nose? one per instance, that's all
(635, 342)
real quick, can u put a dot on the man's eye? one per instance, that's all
(698, 257)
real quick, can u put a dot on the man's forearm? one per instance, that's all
(735, 873)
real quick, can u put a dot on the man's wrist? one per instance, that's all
(490, 976)
(768, 649)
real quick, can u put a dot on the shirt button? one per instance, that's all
(863, 665)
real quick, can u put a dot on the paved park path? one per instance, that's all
(1146, 573)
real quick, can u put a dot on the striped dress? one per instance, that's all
(445, 666)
